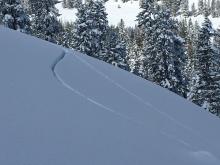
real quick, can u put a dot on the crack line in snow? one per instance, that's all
(61, 57)
(178, 140)
(148, 104)
(53, 68)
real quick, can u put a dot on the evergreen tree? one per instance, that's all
(134, 52)
(64, 3)
(206, 8)
(144, 17)
(1, 8)
(163, 51)
(138, 36)
(122, 31)
(191, 48)
(205, 90)
(193, 10)
(213, 8)
(115, 49)
(209, 7)
(182, 28)
(146, 21)
(65, 37)
(44, 23)
(173, 5)
(90, 29)
(13, 15)
(218, 8)
(70, 3)
(216, 46)
(200, 7)
(185, 8)
(166, 59)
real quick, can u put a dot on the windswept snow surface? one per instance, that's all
(59, 107)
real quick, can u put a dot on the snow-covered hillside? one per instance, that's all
(61, 107)
(128, 11)
(200, 18)
(116, 11)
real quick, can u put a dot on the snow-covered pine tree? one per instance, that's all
(1, 7)
(91, 28)
(164, 52)
(193, 10)
(182, 28)
(122, 31)
(66, 36)
(206, 8)
(200, 7)
(13, 15)
(44, 23)
(124, 40)
(115, 49)
(64, 3)
(173, 5)
(68, 4)
(216, 47)
(145, 22)
(216, 40)
(138, 36)
(134, 57)
(218, 8)
(209, 7)
(144, 17)
(180, 61)
(205, 89)
(191, 48)
(134, 50)
(185, 8)
(77, 3)
(213, 8)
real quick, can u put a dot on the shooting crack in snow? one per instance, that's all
(141, 100)
(57, 76)
(97, 103)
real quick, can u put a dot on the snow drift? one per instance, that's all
(60, 107)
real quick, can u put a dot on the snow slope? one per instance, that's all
(59, 107)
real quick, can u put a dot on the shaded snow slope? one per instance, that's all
(59, 107)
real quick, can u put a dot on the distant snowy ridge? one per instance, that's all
(128, 12)
(116, 11)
